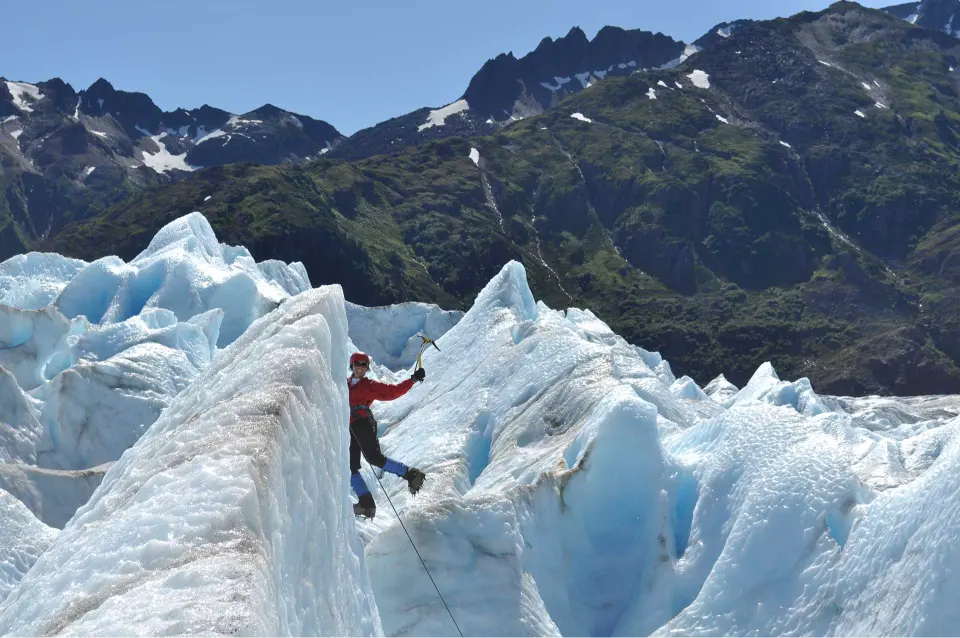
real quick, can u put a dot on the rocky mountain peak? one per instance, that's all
(506, 86)
(938, 15)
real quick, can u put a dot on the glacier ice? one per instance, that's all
(575, 484)
(92, 392)
(51, 495)
(186, 270)
(231, 514)
(389, 333)
(629, 502)
(22, 540)
(34, 280)
(96, 351)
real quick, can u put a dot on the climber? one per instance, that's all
(363, 431)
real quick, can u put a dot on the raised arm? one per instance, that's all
(387, 392)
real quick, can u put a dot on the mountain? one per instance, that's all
(785, 195)
(507, 89)
(939, 15)
(575, 486)
(65, 154)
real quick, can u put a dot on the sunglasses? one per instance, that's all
(360, 364)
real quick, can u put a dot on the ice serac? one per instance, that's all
(576, 487)
(720, 389)
(33, 280)
(231, 514)
(547, 491)
(91, 391)
(765, 386)
(389, 333)
(186, 270)
(32, 339)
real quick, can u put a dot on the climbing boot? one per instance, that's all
(366, 507)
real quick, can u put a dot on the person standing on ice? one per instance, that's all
(363, 431)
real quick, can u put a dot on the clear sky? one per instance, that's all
(352, 63)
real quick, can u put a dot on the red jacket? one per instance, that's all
(366, 391)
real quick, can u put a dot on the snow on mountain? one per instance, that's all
(574, 484)
(939, 15)
(24, 95)
(163, 160)
(437, 117)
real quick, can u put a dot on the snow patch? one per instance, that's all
(236, 121)
(163, 160)
(699, 78)
(208, 136)
(560, 81)
(860, 113)
(475, 156)
(651, 93)
(439, 116)
(663, 84)
(721, 118)
(785, 144)
(581, 117)
(688, 50)
(24, 94)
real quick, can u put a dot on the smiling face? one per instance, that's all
(359, 369)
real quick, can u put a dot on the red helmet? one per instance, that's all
(359, 356)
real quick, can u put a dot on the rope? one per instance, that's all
(414, 545)
(389, 500)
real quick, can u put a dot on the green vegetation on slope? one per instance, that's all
(759, 219)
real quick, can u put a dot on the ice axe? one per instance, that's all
(425, 341)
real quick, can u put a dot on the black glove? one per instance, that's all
(419, 374)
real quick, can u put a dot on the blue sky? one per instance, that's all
(351, 63)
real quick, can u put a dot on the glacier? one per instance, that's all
(173, 460)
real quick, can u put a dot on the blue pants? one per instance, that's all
(363, 440)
